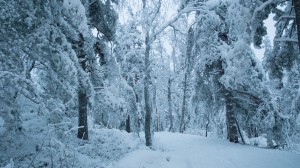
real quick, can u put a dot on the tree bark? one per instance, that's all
(82, 96)
(82, 117)
(148, 109)
(241, 135)
(232, 135)
(297, 20)
(188, 69)
(206, 125)
(170, 105)
(183, 110)
(128, 124)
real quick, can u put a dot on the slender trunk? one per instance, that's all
(170, 105)
(188, 69)
(148, 109)
(183, 110)
(241, 135)
(206, 125)
(157, 121)
(297, 13)
(155, 107)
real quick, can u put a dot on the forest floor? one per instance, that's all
(174, 150)
(56, 145)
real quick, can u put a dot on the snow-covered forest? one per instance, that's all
(149, 83)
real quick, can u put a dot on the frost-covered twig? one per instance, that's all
(74, 128)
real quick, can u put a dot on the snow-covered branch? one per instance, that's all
(31, 94)
(256, 99)
(189, 8)
(285, 39)
(286, 17)
(155, 13)
(261, 7)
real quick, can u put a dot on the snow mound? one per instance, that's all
(57, 145)
(106, 146)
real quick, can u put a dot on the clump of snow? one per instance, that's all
(260, 141)
(107, 146)
(79, 11)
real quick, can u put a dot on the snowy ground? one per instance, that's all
(175, 150)
(42, 145)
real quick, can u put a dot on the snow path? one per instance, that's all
(175, 150)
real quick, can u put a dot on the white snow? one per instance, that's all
(174, 150)
(77, 7)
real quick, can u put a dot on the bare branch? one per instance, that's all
(177, 30)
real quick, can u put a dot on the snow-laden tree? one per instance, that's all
(153, 27)
(129, 54)
(228, 75)
(282, 63)
(16, 64)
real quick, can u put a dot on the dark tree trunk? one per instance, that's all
(82, 96)
(82, 118)
(206, 126)
(297, 13)
(232, 135)
(128, 124)
(148, 109)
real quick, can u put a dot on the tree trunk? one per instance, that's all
(297, 13)
(241, 135)
(128, 124)
(206, 125)
(157, 121)
(232, 135)
(188, 69)
(183, 110)
(148, 109)
(82, 96)
(82, 117)
(170, 105)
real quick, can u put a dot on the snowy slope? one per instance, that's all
(189, 151)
